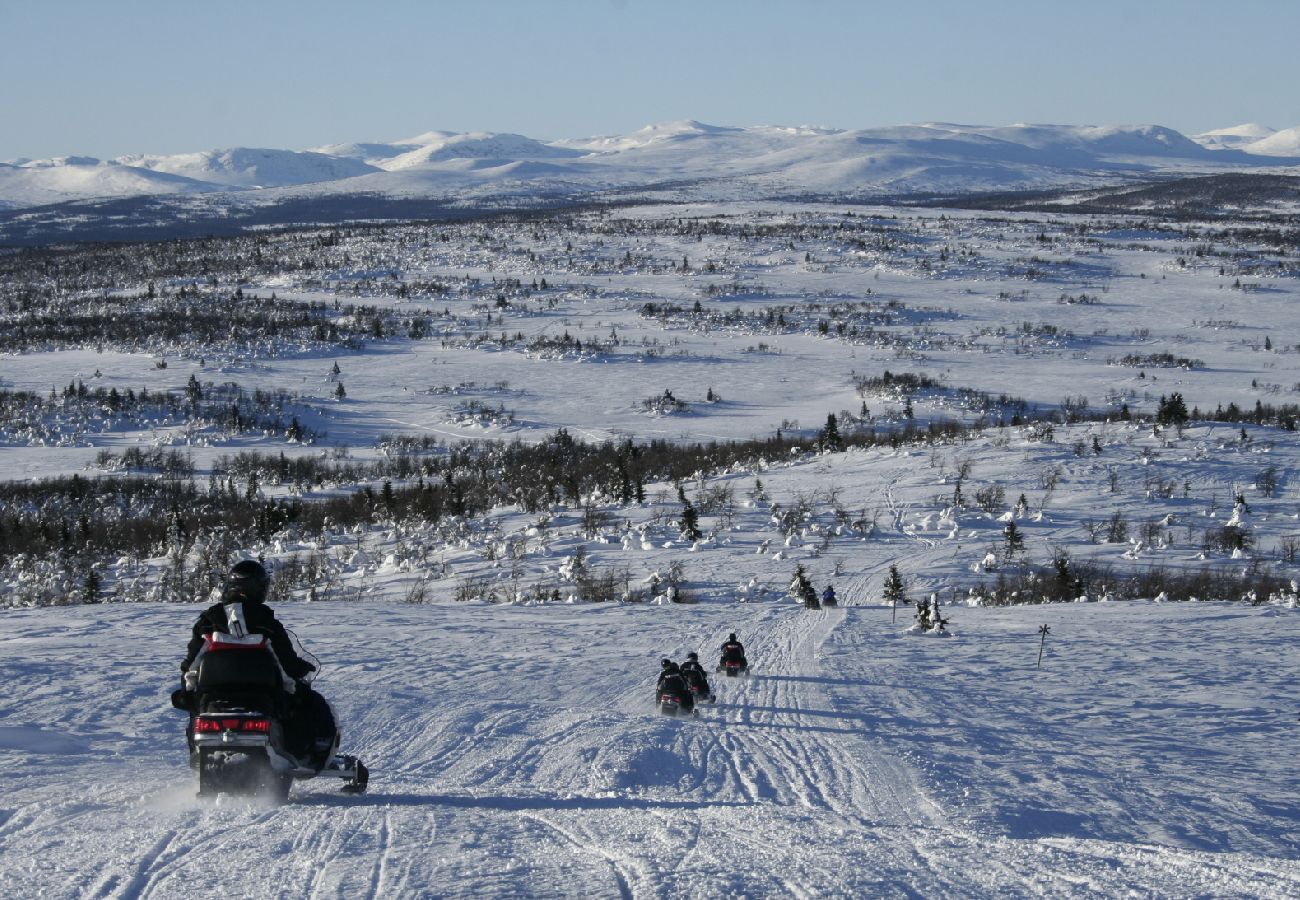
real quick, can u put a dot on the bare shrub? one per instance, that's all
(474, 587)
(1267, 481)
(1288, 550)
(991, 497)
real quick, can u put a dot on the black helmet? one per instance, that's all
(732, 636)
(665, 663)
(693, 656)
(248, 581)
(671, 668)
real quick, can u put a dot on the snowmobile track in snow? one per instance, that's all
(526, 758)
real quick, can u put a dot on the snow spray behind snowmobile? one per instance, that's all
(240, 701)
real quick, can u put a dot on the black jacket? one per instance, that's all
(260, 620)
(694, 673)
(674, 684)
(733, 650)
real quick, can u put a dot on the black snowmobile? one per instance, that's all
(699, 686)
(240, 706)
(697, 681)
(733, 660)
(673, 695)
(675, 703)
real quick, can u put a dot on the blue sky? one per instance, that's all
(104, 78)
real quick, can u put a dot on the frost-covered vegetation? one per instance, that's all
(677, 403)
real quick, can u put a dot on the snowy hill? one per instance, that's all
(1281, 143)
(1255, 139)
(1238, 137)
(252, 168)
(75, 178)
(679, 160)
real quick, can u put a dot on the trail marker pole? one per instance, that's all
(1044, 631)
(893, 603)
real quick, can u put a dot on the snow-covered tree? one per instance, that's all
(801, 589)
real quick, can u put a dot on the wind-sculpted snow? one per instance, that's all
(515, 751)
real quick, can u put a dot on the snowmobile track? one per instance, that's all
(525, 759)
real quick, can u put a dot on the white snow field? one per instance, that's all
(515, 752)
(514, 747)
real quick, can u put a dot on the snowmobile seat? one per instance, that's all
(248, 677)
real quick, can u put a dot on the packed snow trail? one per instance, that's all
(516, 751)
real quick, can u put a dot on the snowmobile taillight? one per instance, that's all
(213, 725)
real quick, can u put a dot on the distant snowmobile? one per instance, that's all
(733, 660)
(238, 698)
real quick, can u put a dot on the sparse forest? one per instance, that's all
(347, 398)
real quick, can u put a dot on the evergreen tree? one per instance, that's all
(939, 621)
(339, 392)
(923, 620)
(1172, 411)
(895, 592)
(91, 586)
(830, 436)
(1015, 541)
(690, 521)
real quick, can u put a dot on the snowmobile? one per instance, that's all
(699, 686)
(733, 666)
(671, 704)
(239, 704)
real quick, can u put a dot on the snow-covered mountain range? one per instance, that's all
(685, 158)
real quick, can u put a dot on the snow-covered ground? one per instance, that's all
(516, 752)
(514, 747)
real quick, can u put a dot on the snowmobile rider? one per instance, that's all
(828, 596)
(734, 651)
(312, 729)
(664, 665)
(246, 588)
(695, 676)
(672, 683)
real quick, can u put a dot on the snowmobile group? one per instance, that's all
(681, 688)
(256, 724)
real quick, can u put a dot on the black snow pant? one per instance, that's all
(311, 729)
